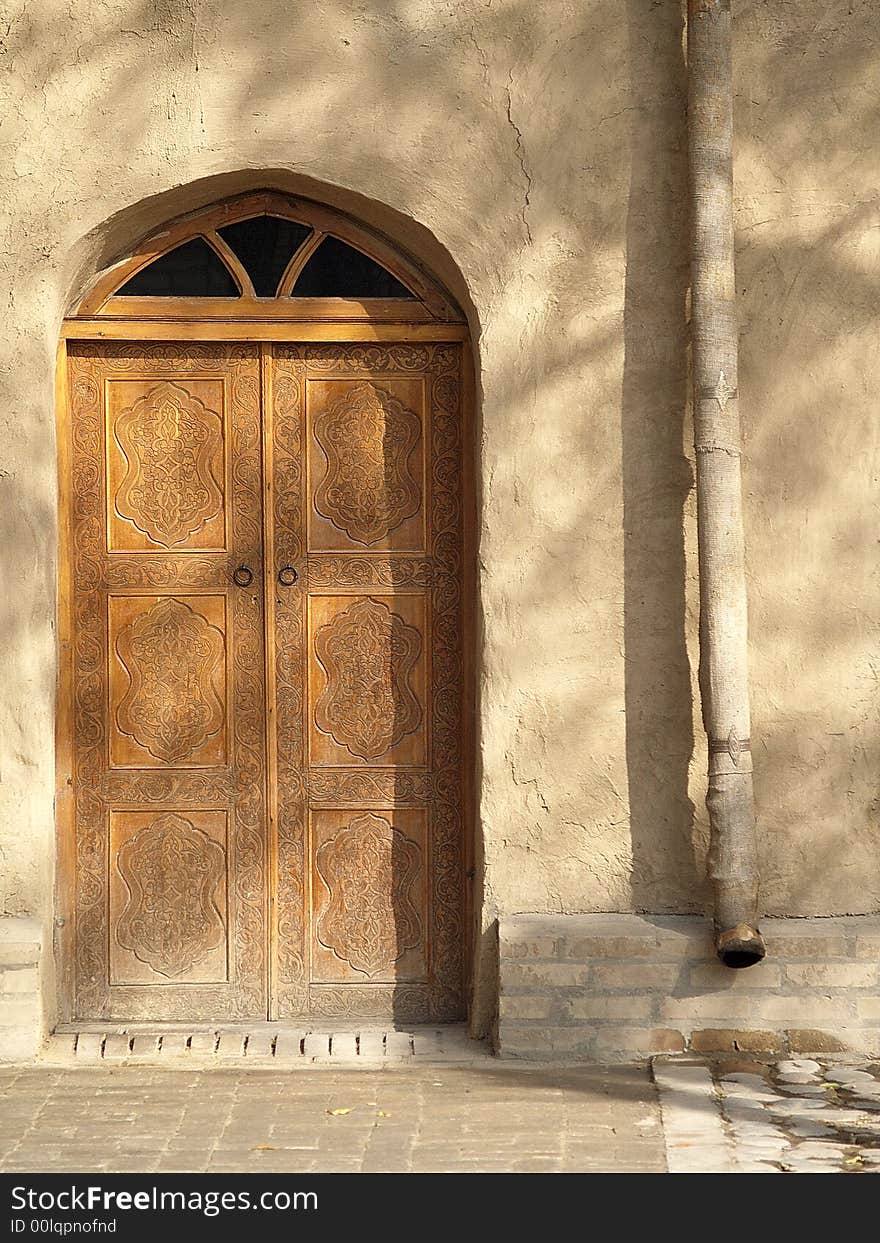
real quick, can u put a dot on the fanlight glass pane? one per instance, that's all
(265, 246)
(192, 270)
(337, 270)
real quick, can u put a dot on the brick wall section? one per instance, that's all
(623, 987)
(21, 1014)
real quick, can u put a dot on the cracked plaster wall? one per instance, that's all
(533, 156)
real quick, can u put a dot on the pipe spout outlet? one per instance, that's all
(739, 947)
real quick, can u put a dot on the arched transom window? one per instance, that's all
(266, 256)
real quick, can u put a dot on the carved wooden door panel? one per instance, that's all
(168, 676)
(365, 626)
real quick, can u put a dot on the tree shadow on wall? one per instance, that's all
(657, 476)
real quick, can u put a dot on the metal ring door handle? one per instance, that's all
(243, 576)
(287, 576)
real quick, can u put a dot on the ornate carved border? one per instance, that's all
(447, 838)
(375, 571)
(289, 539)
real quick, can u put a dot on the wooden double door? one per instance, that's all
(268, 717)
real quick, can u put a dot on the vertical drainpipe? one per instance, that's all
(723, 617)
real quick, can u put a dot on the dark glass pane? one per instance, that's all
(193, 270)
(265, 246)
(337, 270)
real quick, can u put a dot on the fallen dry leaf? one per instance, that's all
(334, 1113)
(382, 1114)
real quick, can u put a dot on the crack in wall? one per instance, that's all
(195, 60)
(481, 56)
(520, 155)
(527, 781)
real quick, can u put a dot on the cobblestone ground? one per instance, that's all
(492, 1117)
(797, 1116)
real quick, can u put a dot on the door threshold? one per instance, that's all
(260, 1045)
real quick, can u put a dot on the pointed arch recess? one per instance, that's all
(429, 303)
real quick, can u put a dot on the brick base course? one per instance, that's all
(21, 1010)
(613, 988)
(623, 987)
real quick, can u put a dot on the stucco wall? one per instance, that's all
(533, 157)
(808, 278)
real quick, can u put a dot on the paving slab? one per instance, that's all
(185, 1117)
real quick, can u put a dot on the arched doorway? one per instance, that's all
(266, 700)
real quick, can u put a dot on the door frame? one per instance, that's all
(99, 317)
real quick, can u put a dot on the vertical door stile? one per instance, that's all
(288, 554)
(65, 809)
(268, 426)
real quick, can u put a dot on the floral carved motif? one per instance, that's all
(367, 436)
(373, 571)
(388, 787)
(171, 870)
(372, 1001)
(171, 655)
(368, 654)
(369, 869)
(172, 446)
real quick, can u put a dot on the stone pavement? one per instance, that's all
(793, 1116)
(685, 1116)
(421, 1118)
